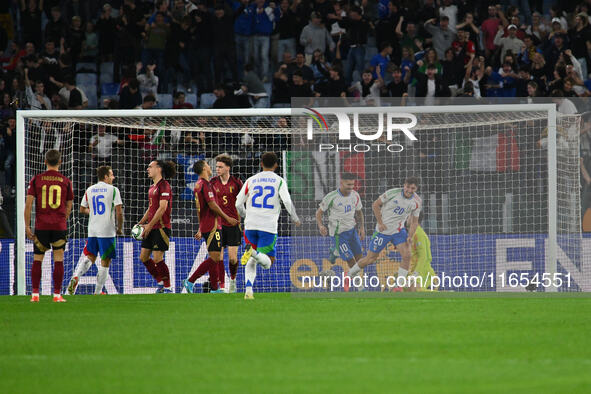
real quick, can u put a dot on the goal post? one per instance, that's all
(242, 125)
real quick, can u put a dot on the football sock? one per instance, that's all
(233, 269)
(149, 264)
(83, 267)
(250, 272)
(213, 275)
(58, 276)
(36, 276)
(202, 269)
(263, 260)
(221, 274)
(101, 278)
(163, 273)
(353, 271)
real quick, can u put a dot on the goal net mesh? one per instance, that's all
(483, 185)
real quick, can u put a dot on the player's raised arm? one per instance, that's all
(287, 203)
(376, 207)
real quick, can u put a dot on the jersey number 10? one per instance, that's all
(258, 192)
(54, 199)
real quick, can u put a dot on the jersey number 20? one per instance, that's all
(258, 192)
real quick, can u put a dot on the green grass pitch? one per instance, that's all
(283, 343)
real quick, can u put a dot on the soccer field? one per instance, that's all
(416, 343)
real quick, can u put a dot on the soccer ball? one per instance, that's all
(136, 232)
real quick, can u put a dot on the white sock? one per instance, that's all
(83, 267)
(250, 273)
(101, 278)
(402, 272)
(353, 271)
(263, 260)
(56, 295)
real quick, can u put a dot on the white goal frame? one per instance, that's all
(550, 109)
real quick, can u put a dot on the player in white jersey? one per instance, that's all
(343, 208)
(263, 194)
(391, 210)
(101, 202)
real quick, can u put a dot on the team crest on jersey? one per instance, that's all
(210, 195)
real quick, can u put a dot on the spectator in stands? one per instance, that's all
(130, 96)
(243, 29)
(31, 21)
(149, 102)
(14, 55)
(8, 136)
(315, 36)
(177, 52)
(335, 87)
(179, 101)
(37, 100)
(56, 28)
(412, 38)
(107, 29)
(579, 35)
(398, 86)
(357, 32)
(224, 52)
(201, 51)
(101, 146)
(538, 28)
(286, 25)
(320, 67)
(555, 49)
(156, 35)
(281, 97)
(264, 16)
(300, 65)
(72, 95)
(379, 62)
(75, 38)
(443, 35)
(148, 81)
(90, 44)
(430, 84)
(510, 43)
(254, 88)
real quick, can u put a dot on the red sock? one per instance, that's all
(36, 276)
(213, 275)
(151, 267)
(221, 274)
(58, 276)
(163, 273)
(201, 270)
(233, 269)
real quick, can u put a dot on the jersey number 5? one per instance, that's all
(54, 199)
(258, 192)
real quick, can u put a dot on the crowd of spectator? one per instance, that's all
(62, 54)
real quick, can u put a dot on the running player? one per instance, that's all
(53, 195)
(343, 208)
(209, 228)
(227, 187)
(101, 203)
(262, 194)
(156, 234)
(391, 210)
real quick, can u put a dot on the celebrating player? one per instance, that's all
(226, 187)
(53, 195)
(209, 228)
(391, 210)
(156, 234)
(343, 207)
(100, 202)
(262, 194)
(420, 261)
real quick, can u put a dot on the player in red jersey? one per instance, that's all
(209, 228)
(53, 195)
(156, 220)
(227, 187)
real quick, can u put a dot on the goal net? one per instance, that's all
(500, 198)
